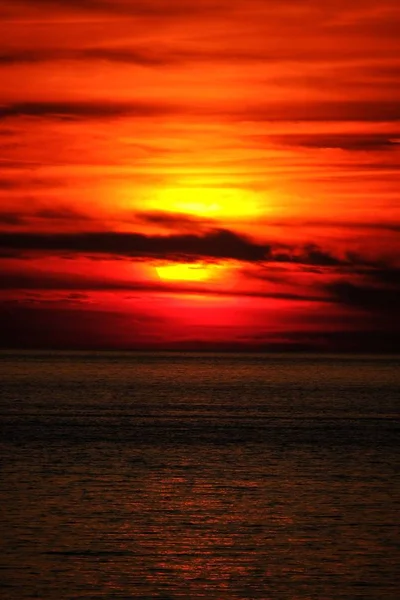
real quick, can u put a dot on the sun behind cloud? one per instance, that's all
(167, 165)
(212, 202)
(188, 271)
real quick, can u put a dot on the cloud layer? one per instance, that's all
(260, 138)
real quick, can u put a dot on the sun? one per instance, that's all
(210, 202)
(214, 204)
(195, 272)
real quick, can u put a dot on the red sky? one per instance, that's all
(216, 174)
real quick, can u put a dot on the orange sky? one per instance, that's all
(212, 175)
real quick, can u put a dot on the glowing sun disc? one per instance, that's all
(186, 272)
(208, 202)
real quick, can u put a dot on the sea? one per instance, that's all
(199, 476)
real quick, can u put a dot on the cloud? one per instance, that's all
(390, 276)
(166, 54)
(323, 111)
(133, 8)
(368, 111)
(26, 56)
(6, 133)
(136, 56)
(376, 290)
(11, 218)
(60, 213)
(343, 141)
(375, 294)
(25, 325)
(19, 218)
(216, 244)
(76, 111)
(354, 341)
(26, 181)
(76, 284)
(7, 183)
(366, 296)
(310, 254)
(392, 226)
(44, 300)
(83, 4)
(173, 220)
(79, 326)
(213, 244)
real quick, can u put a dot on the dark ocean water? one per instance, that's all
(183, 476)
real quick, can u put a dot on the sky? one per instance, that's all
(209, 175)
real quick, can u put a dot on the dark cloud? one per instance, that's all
(344, 340)
(377, 291)
(7, 133)
(379, 111)
(213, 244)
(42, 280)
(83, 4)
(64, 327)
(217, 244)
(367, 111)
(18, 218)
(7, 183)
(134, 8)
(353, 142)
(375, 294)
(389, 276)
(78, 297)
(83, 110)
(11, 218)
(160, 57)
(356, 17)
(21, 181)
(393, 226)
(38, 299)
(309, 254)
(165, 55)
(172, 220)
(60, 213)
(35, 326)
(28, 55)
(6, 163)
(364, 296)
(139, 56)
(77, 284)
(368, 340)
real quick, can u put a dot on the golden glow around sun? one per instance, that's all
(187, 272)
(208, 202)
